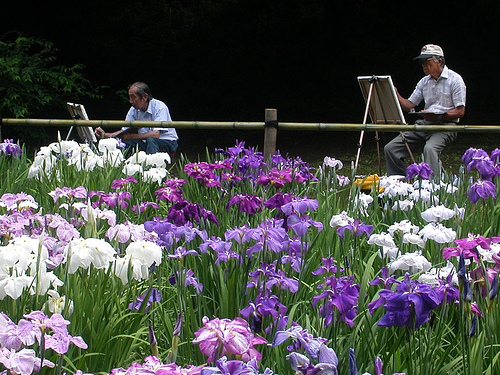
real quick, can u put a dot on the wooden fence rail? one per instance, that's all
(270, 126)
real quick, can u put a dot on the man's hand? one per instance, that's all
(100, 133)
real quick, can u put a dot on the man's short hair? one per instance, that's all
(436, 59)
(142, 88)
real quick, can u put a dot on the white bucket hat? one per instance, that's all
(430, 50)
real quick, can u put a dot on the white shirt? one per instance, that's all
(440, 95)
(157, 111)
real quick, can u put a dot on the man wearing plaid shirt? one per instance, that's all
(443, 92)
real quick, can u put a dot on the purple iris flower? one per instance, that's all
(494, 288)
(225, 254)
(269, 235)
(120, 183)
(198, 170)
(54, 330)
(495, 155)
(472, 153)
(357, 228)
(422, 170)
(277, 159)
(251, 204)
(378, 366)
(221, 248)
(189, 279)
(466, 290)
(302, 170)
(294, 250)
(484, 165)
(143, 206)
(300, 206)
(11, 200)
(384, 278)
(216, 244)
(184, 212)
(473, 326)
(353, 368)
(447, 289)
(158, 225)
(327, 362)
(226, 164)
(250, 160)
(230, 178)
(163, 228)
(300, 224)
(410, 305)
(268, 276)
(481, 189)
(211, 181)
(302, 340)
(264, 306)
(472, 241)
(8, 147)
(276, 177)
(387, 282)
(234, 367)
(169, 194)
(278, 200)
(115, 199)
(342, 295)
(152, 295)
(69, 193)
(462, 251)
(328, 266)
(467, 247)
(237, 234)
(237, 149)
(181, 252)
(174, 182)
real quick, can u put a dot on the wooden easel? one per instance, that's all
(77, 112)
(383, 107)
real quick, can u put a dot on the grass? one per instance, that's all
(314, 146)
(346, 150)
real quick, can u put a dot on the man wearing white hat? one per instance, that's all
(443, 92)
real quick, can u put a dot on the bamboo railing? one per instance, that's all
(270, 126)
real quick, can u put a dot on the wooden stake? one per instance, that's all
(270, 132)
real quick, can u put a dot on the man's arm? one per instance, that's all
(122, 133)
(150, 134)
(452, 115)
(101, 134)
(405, 103)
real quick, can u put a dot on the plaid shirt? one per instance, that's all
(157, 111)
(446, 93)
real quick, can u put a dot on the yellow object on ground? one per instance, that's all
(369, 182)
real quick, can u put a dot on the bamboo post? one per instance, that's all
(270, 132)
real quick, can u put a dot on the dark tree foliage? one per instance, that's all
(32, 83)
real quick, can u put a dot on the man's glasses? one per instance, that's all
(426, 61)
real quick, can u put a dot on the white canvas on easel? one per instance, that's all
(77, 112)
(384, 107)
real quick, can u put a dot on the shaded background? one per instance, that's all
(228, 60)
